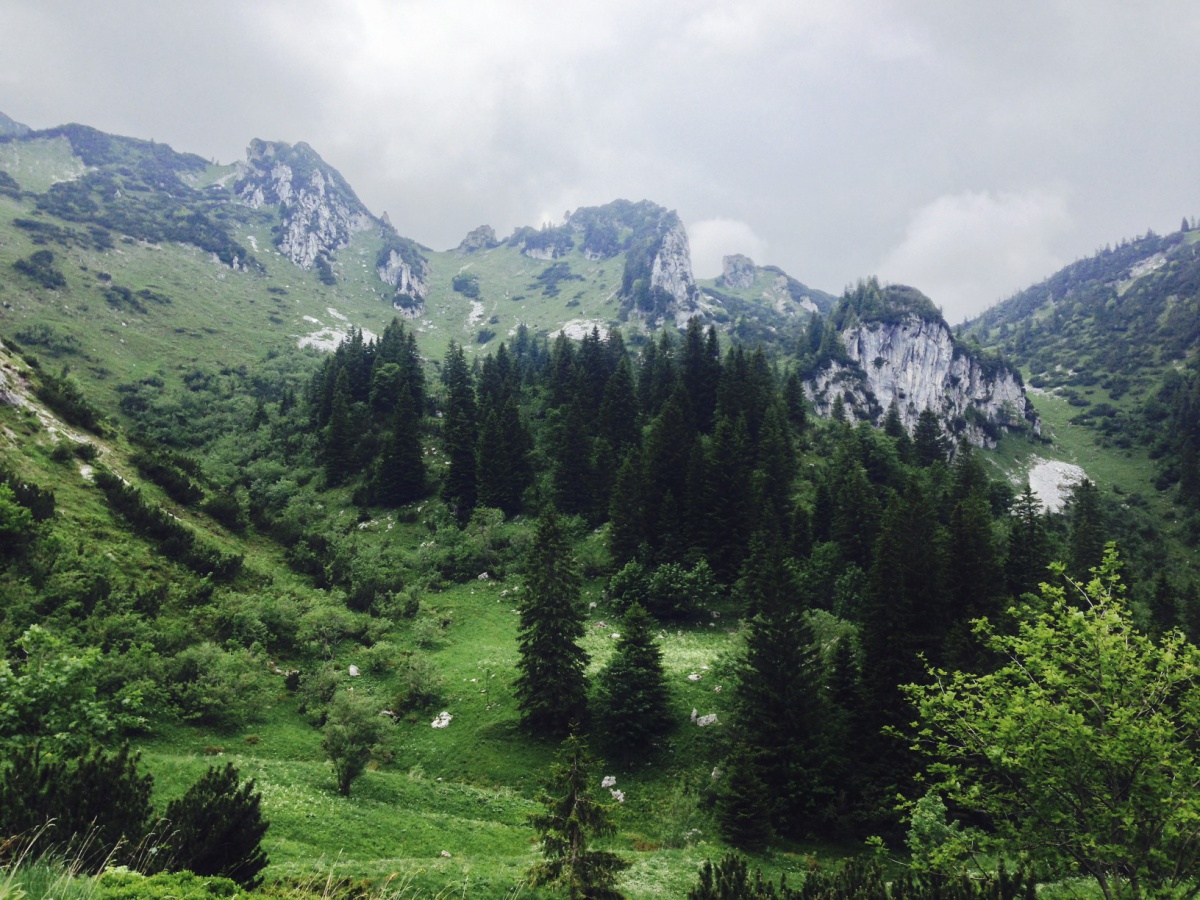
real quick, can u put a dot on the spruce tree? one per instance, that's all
(618, 418)
(461, 434)
(216, 828)
(929, 445)
(627, 510)
(1028, 545)
(631, 690)
(742, 799)
(779, 710)
(1089, 531)
(338, 436)
(550, 685)
(570, 820)
(502, 458)
(904, 616)
(400, 467)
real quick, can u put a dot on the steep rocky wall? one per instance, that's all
(671, 273)
(319, 212)
(915, 363)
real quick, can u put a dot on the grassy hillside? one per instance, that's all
(465, 789)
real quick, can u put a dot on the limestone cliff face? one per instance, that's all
(319, 210)
(480, 238)
(738, 272)
(916, 363)
(408, 276)
(671, 273)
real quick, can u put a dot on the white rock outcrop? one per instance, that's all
(400, 275)
(738, 272)
(671, 273)
(915, 363)
(319, 214)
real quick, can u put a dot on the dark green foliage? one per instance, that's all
(40, 267)
(729, 879)
(550, 685)
(400, 467)
(1089, 530)
(742, 799)
(95, 809)
(630, 708)
(467, 284)
(1028, 545)
(16, 523)
(174, 539)
(867, 301)
(216, 828)
(460, 434)
(627, 510)
(780, 710)
(502, 459)
(552, 276)
(136, 188)
(859, 879)
(228, 509)
(571, 820)
(42, 232)
(904, 616)
(324, 270)
(929, 445)
(166, 471)
(669, 591)
(63, 394)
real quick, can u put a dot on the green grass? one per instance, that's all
(37, 165)
(469, 788)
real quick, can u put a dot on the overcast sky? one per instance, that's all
(966, 148)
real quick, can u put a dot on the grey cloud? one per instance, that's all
(836, 133)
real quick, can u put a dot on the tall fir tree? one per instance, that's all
(904, 617)
(461, 434)
(571, 818)
(929, 445)
(742, 798)
(631, 698)
(779, 697)
(400, 466)
(1089, 531)
(502, 462)
(551, 687)
(1028, 552)
(627, 510)
(339, 437)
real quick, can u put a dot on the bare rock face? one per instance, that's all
(480, 238)
(671, 275)
(915, 363)
(319, 210)
(738, 272)
(403, 276)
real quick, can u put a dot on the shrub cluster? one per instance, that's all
(174, 538)
(95, 810)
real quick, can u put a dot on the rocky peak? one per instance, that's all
(12, 128)
(671, 273)
(658, 284)
(318, 209)
(481, 238)
(737, 272)
(902, 354)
